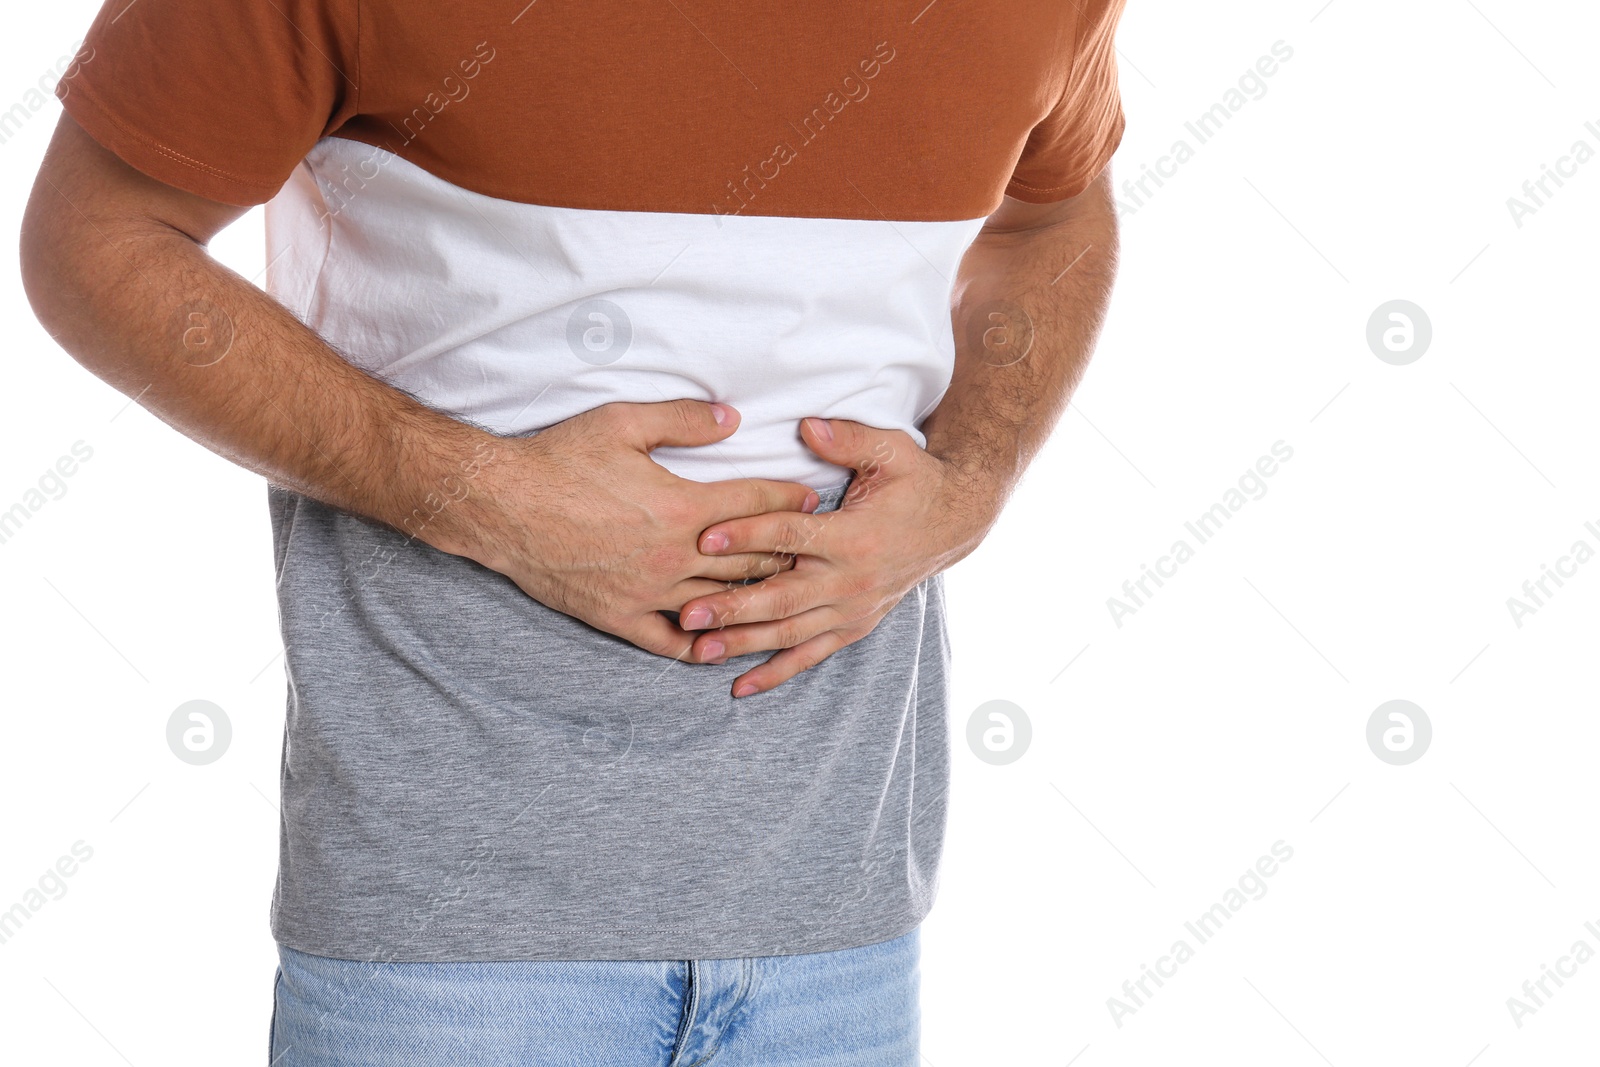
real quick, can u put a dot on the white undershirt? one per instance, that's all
(485, 308)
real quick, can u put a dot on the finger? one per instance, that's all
(714, 646)
(672, 599)
(780, 531)
(738, 497)
(654, 633)
(860, 447)
(680, 593)
(788, 663)
(779, 597)
(673, 422)
(741, 567)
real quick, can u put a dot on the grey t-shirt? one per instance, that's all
(470, 775)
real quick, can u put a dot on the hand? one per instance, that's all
(906, 516)
(586, 523)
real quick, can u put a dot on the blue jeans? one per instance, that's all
(854, 1007)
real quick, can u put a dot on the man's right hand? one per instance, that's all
(579, 515)
(587, 523)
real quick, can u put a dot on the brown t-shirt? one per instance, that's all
(690, 106)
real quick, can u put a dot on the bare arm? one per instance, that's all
(1030, 298)
(116, 268)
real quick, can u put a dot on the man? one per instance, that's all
(616, 729)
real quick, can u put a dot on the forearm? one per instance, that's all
(146, 308)
(1028, 306)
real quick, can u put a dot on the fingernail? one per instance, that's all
(745, 690)
(696, 619)
(821, 428)
(811, 504)
(714, 542)
(722, 413)
(711, 650)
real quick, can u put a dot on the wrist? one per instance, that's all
(450, 498)
(971, 497)
(982, 474)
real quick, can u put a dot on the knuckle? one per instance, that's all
(753, 497)
(774, 495)
(783, 605)
(857, 586)
(689, 417)
(766, 566)
(812, 526)
(812, 657)
(613, 622)
(743, 499)
(775, 503)
(614, 414)
(787, 538)
(741, 605)
(661, 647)
(855, 632)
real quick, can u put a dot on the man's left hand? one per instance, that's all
(907, 515)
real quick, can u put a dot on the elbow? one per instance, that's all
(63, 263)
(43, 276)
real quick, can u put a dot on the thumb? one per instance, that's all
(686, 423)
(847, 443)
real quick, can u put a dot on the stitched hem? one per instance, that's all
(507, 942)
(114, 133)
(1048, 194)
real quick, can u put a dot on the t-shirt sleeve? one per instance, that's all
(221, 98)
(1073, 143)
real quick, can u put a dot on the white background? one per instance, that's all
(1168, 753)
